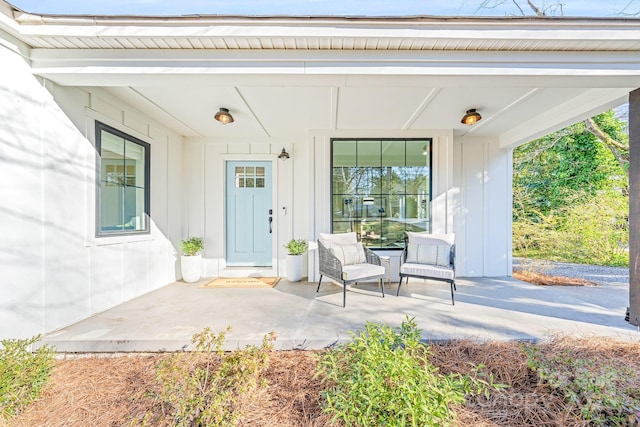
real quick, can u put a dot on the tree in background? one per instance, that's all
(570, 195)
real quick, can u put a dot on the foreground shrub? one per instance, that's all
(205, 387)
(603, 394)
(383, 377)
(23, 374)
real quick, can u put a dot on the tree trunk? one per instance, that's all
(614, 146)
(634, 207)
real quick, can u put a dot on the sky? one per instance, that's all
(593, 8)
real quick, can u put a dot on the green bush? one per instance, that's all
(602, 394)
(383, 377)
(593, 230)
(23, 374)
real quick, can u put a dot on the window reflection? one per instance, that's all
(381, 189)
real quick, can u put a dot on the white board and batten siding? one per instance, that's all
(54, 270)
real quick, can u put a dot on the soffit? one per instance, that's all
(283, 76)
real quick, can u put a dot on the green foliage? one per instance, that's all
(23, 374)
(383, 377)
(602, 394)
(570, 197)
(549, 170)
(588, 230)
(192, 246)
(296, 247)
(205, 387)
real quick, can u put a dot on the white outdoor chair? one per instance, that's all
(429, 256)
(345, 260)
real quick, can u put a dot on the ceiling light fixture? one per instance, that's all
(224, 116)
(283, 155)
(471, 117)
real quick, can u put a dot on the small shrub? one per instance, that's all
(602, 394)
(23, 374)
(296, 247)
(192, 246)
(204, 387)
(383, 377)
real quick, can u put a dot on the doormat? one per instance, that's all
(242, 282)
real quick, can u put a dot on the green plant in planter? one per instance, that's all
(296, 247)
(192, 246)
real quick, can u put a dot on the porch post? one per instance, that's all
(634, 207)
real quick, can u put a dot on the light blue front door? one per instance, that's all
(249, 214)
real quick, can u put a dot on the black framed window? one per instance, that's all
(381, 188)
(123, 196)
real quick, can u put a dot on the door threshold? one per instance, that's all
(237, 271)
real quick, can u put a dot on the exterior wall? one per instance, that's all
(483, 217)
(204, 197)
(471, 198)
(54, 271)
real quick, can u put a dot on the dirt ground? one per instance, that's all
(107, 391)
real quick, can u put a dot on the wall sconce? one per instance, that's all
(471, 117)
(224, 116)
(283, 155)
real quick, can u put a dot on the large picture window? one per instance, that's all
(123, 183)
(380, 189)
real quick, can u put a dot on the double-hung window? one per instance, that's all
(123, 183)
(381, 188)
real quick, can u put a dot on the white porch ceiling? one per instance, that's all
(283, 76)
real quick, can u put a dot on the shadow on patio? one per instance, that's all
(486, 309)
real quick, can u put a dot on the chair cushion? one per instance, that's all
(428, 238)
(339, 238)
(348, 254)
(362, 271)
(420, 248)
(429, 254)
(423, 270)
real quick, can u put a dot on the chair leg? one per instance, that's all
(344, 294)
(382, 286)
(400, 284)
(453, 285)
(319, 281)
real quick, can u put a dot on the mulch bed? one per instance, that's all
(102, 391)
(547, 280)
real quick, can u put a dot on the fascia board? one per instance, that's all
(350, 62)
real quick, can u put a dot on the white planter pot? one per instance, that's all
(294, 267)
(191, 267)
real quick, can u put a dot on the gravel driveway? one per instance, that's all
(602, 275)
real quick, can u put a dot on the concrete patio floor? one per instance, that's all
(485, 309)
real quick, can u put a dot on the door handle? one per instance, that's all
(270, 225)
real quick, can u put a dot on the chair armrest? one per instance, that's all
(329, 264)
(452, 256)
(371, 256)
(403, 255)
